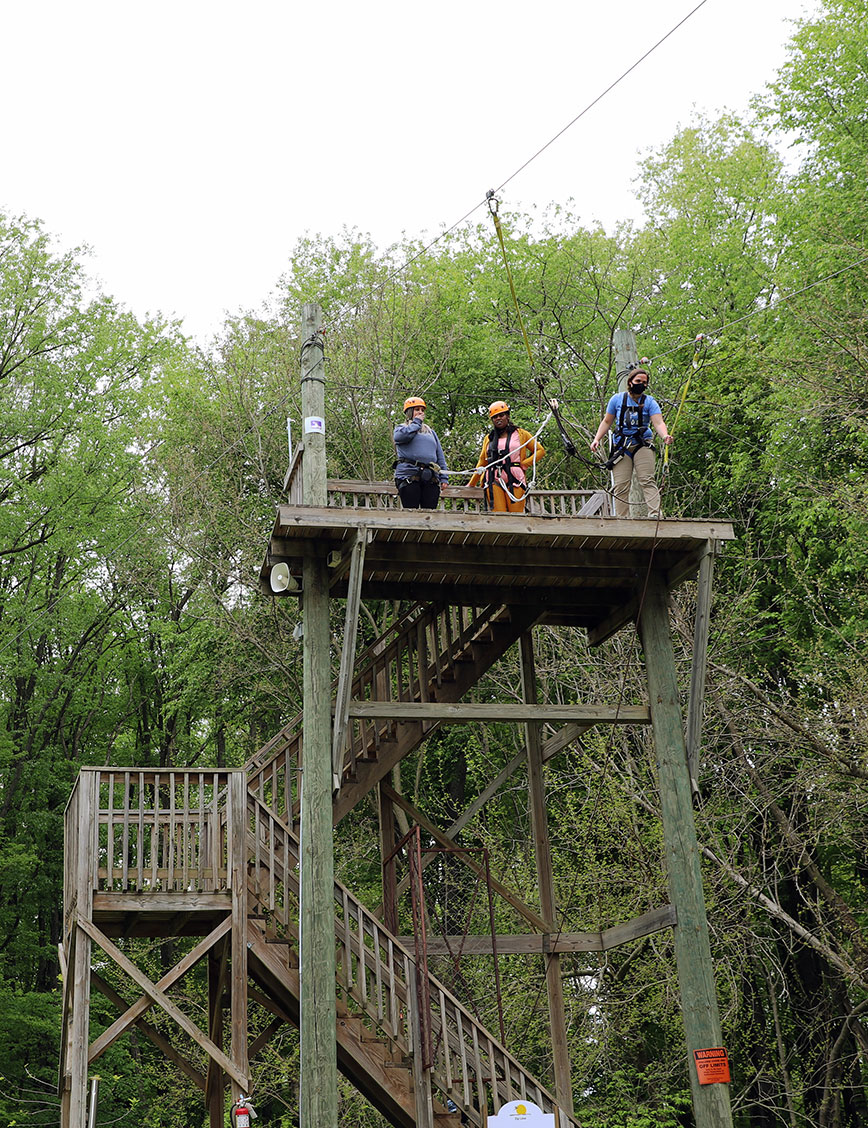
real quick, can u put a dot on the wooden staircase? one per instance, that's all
(472, 1074)
(435, 652)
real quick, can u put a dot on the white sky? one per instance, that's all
(191, 142)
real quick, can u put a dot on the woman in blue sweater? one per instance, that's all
(420, 472)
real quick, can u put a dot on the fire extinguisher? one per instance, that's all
(242, 1113)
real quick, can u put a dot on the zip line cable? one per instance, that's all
(600, 97)
(539, 152)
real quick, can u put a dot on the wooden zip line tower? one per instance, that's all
(241, 862)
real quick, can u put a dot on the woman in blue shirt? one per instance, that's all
(420, 472)
(634, 443)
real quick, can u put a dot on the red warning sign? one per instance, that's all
(711, 1065)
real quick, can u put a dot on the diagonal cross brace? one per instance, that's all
(156, 995)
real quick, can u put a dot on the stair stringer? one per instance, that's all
(409, 735)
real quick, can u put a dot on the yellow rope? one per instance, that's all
(492, 207)
(696, 364)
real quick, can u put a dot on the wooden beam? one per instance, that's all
(262, 1039)
(545, 878)
(237, 846)
(558, 562)
(163, 1001)
(134, 1012)
(269, 1004)
(174, 902)
(629, 609)
(584, 532)
(318, 1068)
(610, 566)
(74, 1097)
(448, 712)
(217, 967)
(547, 942)
(538, 596)
(696, 702)
(348, 652)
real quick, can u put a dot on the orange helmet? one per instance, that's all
(413, 401)
(497, 408)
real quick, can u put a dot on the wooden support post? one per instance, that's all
(548, 908)
(692, 948)
(74, 1101)
(421, 1077)
(348, 653)
(214, 1078)
(238, 974)
(387, 845)
(313, 466)
(626, 355)
(318, 1073)
(697, 669)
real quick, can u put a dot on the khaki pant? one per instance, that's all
(642, 463)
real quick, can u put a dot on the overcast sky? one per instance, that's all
(190, 143)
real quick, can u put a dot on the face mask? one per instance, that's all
(638, 388)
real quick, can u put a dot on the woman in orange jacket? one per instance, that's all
(507, 453)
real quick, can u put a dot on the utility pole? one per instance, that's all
(626, 356)
(319, 1078)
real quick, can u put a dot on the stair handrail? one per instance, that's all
(465, 1049)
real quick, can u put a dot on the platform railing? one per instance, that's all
(470, 1067)
(347, 493)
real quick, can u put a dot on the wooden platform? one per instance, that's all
(583, 571)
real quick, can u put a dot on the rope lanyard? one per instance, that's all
(566, 441)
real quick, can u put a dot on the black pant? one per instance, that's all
(417, 494)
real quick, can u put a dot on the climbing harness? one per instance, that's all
(500, 469)
(425, 471)
(509, 454)
(624, 445)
